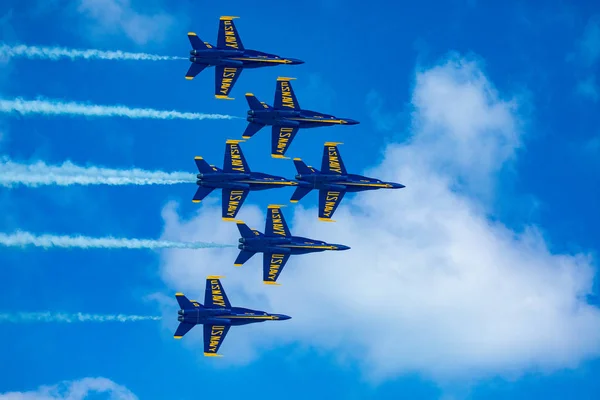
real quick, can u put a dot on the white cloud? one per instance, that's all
(431, 285)
(74, 390)
(110, 17)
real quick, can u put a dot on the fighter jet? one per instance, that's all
(217, 315)
(235, 179)
(286, 117)
(333, 182)
(277, 245)
(229, 57)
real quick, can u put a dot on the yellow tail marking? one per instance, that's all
(214, 277)
(221, 97)
(332, 143)
(227, 18)
(284, 79)
(326, 220)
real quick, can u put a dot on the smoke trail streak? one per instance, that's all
(57, 53)
(67, 174)
(70, 318)
(56, 107)
(22, 239)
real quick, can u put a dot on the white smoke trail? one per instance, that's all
(22, 239)
(67, 174)
(56, 107)
(70, 318)
(57, 53)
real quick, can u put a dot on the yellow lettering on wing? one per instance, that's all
(217, 297)
(216, 335)
(230, 39)
(283, 140)
(286, 95)
(235, 196)
(275, 265)
(228, 75)
(334, 161)
(330, 201)
(236, 158)
(276, 217)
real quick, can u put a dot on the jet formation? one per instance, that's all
(216, 315)
(236, 181)
(229, 57)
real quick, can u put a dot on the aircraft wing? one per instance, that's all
(276, 225)
(281, 139)
(194, 70)
(225, 78)
(329, 200)
(214, 335)
(234, 158)
(228, 37)
(332, 163)
(214, 294)
(273, 264)
(232, 202)
(285, 99)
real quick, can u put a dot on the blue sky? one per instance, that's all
(531, 68)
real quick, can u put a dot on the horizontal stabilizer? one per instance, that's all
(182, 329)
(185, 303)
(245, 232)
(196, 43)
(201, 193)
(194, 70)
(253, 102)
(203, 166)
(302, 168)
(299, 194)
(243, 257)
(251, 129)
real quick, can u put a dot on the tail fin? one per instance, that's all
(196, 43)
(185, 303)
(253, 102)
(251, 129)
(302, 168)
(246, 232)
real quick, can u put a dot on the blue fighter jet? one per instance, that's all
(277, 245)
(235, 179)
(229, 58)
(286, 117)
(333, 182)
(217, 315)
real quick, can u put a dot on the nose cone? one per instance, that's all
(393, 185)
(295, 61)
(340, 247)
(349, 121)
(281, 317)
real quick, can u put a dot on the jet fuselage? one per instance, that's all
(250, 181)
(286, 245)
(226, 316)
(296, 118)
(238, 58)
(348, 183)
